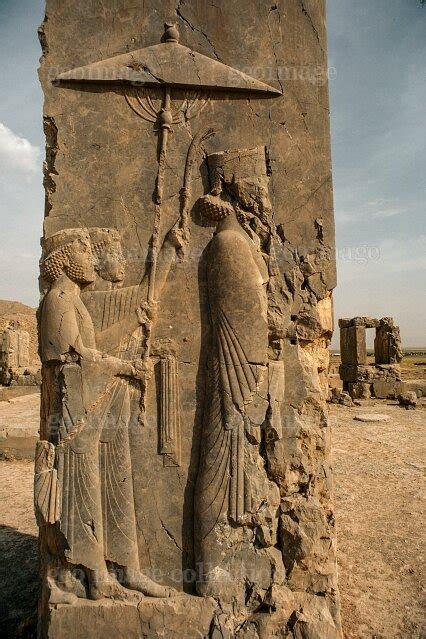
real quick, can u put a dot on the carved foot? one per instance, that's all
(136, 580)
(58, 596)
(105, 586)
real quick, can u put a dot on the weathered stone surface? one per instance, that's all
(367, 322)
(353, 348)
(340, 397)
(350, 373)
(386, 388)
(185, 616)
(388, 371)
(416, 385)
(334, 381)
(185, 319)
(387, 343)
(291, 614)
(19, 426)
(344, 322)
(408, 399)
(372, 417)
(359, 390)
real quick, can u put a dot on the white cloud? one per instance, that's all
(18, 153)
(378, 209)
(381, 209)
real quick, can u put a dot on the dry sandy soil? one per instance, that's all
(379, 481)
(379, 469)
(18, 550)
(19, 426)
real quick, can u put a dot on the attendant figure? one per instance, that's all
(83, 484)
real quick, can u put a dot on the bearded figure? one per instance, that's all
(83, 486)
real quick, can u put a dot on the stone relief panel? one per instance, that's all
(185, 320)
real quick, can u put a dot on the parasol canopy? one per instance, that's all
(167, 64)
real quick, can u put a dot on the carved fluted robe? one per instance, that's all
(238, 310)
(95, 512)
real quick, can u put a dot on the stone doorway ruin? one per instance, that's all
(382, 378)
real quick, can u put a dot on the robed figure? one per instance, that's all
(83, 483)
(236, 390)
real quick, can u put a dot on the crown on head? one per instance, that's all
(231, 166)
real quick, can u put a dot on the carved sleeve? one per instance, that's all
(60, 334)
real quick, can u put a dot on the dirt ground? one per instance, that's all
(18, 550)
(379, 488)
(19, 426)
(379, 469)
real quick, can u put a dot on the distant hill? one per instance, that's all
(8, 307)
(26, 316)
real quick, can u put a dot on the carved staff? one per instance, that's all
(165, 121)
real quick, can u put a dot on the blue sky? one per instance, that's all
(377, 52)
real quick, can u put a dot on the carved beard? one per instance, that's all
(253, 198)
(105, 273)
(77, 273)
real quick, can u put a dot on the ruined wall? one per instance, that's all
(16, 367)
(101, 164)
(382, 378)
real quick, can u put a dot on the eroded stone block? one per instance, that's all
(360, 390)
(189, 617)
(387, 343)
(353, 349)
(349, 373)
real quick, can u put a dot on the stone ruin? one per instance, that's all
(183, 483)
(16, 369)
(361, 380)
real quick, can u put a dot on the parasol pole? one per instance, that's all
(165, 121)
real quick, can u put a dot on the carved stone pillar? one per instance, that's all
(353, 347)
(183, 483)
(169, 412)
(387, 343)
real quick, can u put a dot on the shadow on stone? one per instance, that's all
(19, 584)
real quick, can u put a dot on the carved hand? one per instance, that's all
(118, 366)
(127, 369)
(142, 369)
(177, 237)
(146, 313)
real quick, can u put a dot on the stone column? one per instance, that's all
(353, 347)
(189, 247)
(387, 343)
